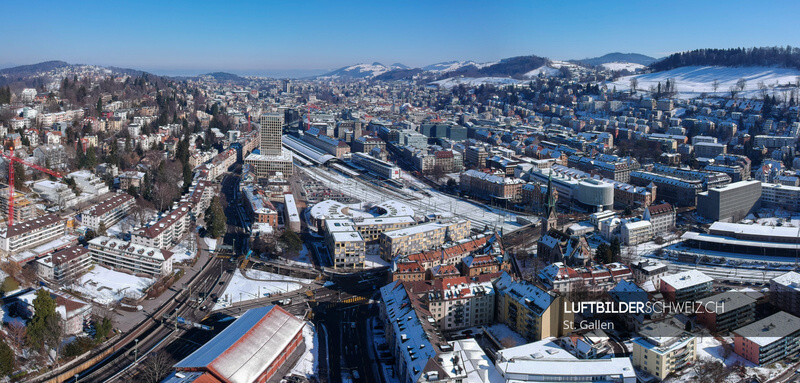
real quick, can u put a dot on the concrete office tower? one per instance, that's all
(271, 125)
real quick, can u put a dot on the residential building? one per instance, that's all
(495, 188)
(649, 271)
(109, 212)
(662, 349)
(634, 233)
(479, 264)
(661, 218)
(780, 196)
(130, 179)
(64, 266)
(727, 311)
(768, 340)
(421, 237)
(670, 188)
(73, 311)
(138, 259)
(165, 232)
(457, 303)
(784, 292)
(530, 311)
(32, 233)
(413, 340)
(258, 206)
(345, 244)
(687, 286)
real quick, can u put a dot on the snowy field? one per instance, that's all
(105, 286)
(303, 258)
(615, 66)
(307, 365)
(257, 284)
(693, 80)
(544, 69)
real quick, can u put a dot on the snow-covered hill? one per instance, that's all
(362, 70)
(616, 66)
(475, 81)
(449, 66)
(693, 80)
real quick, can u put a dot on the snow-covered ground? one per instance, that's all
(615, 66)
(105, 286)
(303, 258)
(505, 335)
(544, 69)
(261, 284)
(475, 81)
(186, 250)
(693, 80)
(307, 365)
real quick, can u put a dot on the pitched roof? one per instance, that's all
(244, 350)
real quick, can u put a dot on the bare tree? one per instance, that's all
(762, 89)
(156, 367)
(734, 91)
(715, 85)
(741, 84)
(17, 332)
(634, 84)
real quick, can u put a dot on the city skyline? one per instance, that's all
(252, 38)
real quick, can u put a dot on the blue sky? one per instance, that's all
(189, 37)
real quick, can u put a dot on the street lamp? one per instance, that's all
(135, 350)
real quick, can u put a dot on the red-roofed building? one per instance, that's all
(251, 349)
(481, 264)
(408, 271)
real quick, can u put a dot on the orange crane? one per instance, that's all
(11, 159)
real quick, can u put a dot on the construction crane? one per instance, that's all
(11, 159)
(309, 106)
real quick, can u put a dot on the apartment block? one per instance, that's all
(726, 311)
(784, 292)
(730, 203)
(65, 265)
(28, 234)
(413, 239)
(530, 311)
(662, 349)
(109, 212)
(768, 340)
(497, 188)
(167, 231)
(345, 244)
(135, 258)
(688, 286)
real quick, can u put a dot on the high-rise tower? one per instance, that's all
(271, 131)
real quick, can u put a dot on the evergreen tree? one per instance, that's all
(19, 176)
(44, 329)
(215, 218)
(99, 105)
(7, 359)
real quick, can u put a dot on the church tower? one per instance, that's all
(549, 218)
